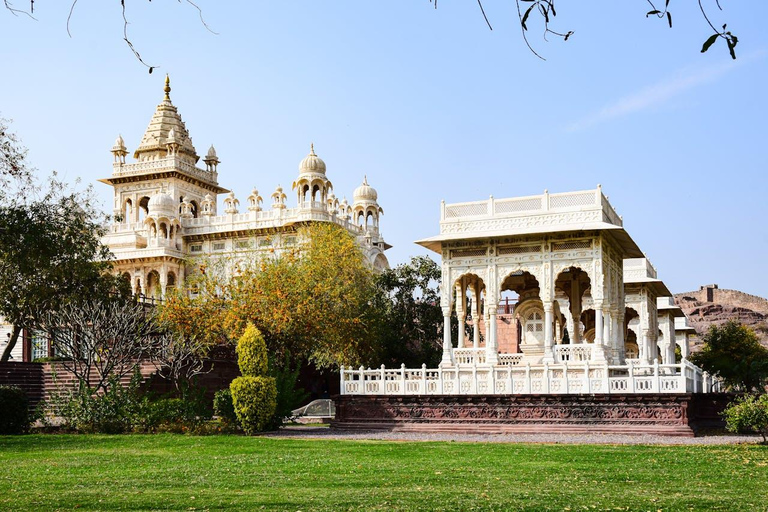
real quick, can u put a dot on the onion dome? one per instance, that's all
(162, 205)
(119, 145)
(312, 164)
(365, 192)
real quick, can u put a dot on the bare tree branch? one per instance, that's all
(16, 12)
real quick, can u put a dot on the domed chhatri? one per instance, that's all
(365, 192)
(312, 164)
(161, 204)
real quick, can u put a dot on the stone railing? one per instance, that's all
(163, 164)
(582, 201)
(529, 379)
(510, 359)
(264, 219)
(578, 353)
(469, 355)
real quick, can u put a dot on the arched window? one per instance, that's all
(143, 208)
(128, 211)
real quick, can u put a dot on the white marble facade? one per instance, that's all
(584, 288)
(166, 209)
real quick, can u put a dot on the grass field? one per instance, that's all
(147, 472)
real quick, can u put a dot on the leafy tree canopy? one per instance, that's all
(733, 353)
(411, 323)
(312, 303)
(50, 248)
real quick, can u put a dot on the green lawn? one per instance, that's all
(139, 472)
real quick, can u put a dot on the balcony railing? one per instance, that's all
(529, 379)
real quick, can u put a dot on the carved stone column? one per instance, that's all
(461, 300)
(491, 344)
(549, 355)
(475, 315)
(573, 329)
(598, 350)
(447, 359)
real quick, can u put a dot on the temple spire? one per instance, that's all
(167, 88)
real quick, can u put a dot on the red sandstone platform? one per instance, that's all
(677, 415)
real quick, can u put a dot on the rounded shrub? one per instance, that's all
(254, 400)
(223, 406)
(15, 417)
(252, 352)
(748, 414)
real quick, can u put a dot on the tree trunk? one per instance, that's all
(11, 344)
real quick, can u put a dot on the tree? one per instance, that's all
(13, 156)
(545, 9)
(733, 353)
(411, 325)
(101, 339)
(311, 303)
(50, 255)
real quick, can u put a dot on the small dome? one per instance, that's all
(211, 152)
(119, 144)
(161, 203)
(312, 163)
(365, 192)
(171, 137)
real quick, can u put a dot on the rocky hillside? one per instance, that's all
(712, 306)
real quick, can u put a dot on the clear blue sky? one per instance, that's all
(429, 104)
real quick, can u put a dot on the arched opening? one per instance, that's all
(470, 309)
(360, 219)
(153, 285)
(170, 281)
(137, 287)
(369, 219)
(588, 323)
(631, 348)
(193, 208)
(526, 331)
(316, 194)
(631, 329)
(128, 211)
(143, 208)
(572, 285)
(380, 262)
(163, 231)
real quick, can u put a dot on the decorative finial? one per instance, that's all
(365, 179)
(312, 149)
(167, 88)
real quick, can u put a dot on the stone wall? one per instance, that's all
(679, 415)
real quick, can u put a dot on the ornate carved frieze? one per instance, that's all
(558, 409)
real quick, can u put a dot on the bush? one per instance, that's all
(748, 414)
(15, 418)
(254, 400)
(223, 406)
(254, 395)
(125, 409)
(252, 352)
(113, 412)
(172, 414)
(289, 396)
